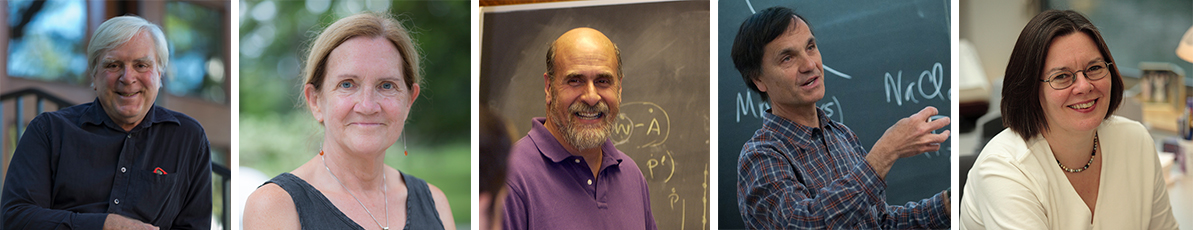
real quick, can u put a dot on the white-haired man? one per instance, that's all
(119, 162)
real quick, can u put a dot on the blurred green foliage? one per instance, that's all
(277, 133)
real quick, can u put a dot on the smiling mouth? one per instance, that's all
(589, 115)
(810, 81)
(1084, 105)
(128, 94)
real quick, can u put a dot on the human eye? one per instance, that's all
(346, 85)
(111, 65)
(1096, 67)
(604, 81)
(388, 85)
(1062, 77)
(142, 67)
(573, 81)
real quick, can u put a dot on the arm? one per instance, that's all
(931, 213)
(1162, 217)
(771, 194)
(27, 187)
(118, 222)
(270, 207)
(444, 209)
(515, 210)
(1002, 198)
(650, 222)
(196, 210)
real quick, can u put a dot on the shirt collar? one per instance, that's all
(95, 114)
(779, 123)
(552, 149)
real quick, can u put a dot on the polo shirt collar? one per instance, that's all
(553, 150)
(94, 114)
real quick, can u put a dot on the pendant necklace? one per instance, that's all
(384, 190)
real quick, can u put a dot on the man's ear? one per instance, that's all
(758, 83)
(547, 87)
(312, 96)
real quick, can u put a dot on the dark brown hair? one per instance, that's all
(750, 43)
(1021, 109)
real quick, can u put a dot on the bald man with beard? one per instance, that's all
(566, 173)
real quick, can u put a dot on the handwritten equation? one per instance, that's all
(894, 85)
(746, 106)
(646, 123)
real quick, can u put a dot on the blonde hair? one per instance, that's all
(362, 25)
(119, 30)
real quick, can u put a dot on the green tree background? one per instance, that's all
(277, 132)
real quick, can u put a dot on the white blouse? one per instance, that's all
(1017, 185)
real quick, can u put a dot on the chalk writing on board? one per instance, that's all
(935, 80)
(746, 106)
(704, 215)
(664, 161)
(829, 111)
(643, 121)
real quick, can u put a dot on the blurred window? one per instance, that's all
(46, 40)
(196, 38)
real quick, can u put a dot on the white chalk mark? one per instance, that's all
(751, 7)
(831, 70)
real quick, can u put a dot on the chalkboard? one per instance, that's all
(883, 60)
(664, 120)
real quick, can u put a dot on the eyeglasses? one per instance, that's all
(1064, 78)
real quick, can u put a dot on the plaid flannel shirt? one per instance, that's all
(792, 176)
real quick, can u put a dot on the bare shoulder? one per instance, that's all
(270, 207)
(442, 206)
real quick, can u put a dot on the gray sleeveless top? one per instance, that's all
(315, 211)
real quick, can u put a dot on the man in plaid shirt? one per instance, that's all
(803, 170)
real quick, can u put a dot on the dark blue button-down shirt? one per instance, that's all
(795, 176)
(74, 166)
(550, 188)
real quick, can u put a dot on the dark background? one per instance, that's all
(865, 41)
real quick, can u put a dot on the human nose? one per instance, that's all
(807, 65)
(1081, 83)
(367, 102)
(127, 76)
(590, 95)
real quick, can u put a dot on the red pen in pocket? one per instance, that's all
(159, 171)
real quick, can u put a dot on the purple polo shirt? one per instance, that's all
(550, 188)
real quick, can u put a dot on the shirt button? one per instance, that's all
(130, 135)
(122, 169)
(577, 160)
(589, 181)
(117, 201)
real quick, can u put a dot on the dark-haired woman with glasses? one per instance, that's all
(1065, 162)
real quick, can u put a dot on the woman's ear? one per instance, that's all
(312, 96)
(413, 95)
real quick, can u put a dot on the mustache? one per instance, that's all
(581, 107)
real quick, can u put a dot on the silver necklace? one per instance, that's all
(384, 190)
(1091, 159)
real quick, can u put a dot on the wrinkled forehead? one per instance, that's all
(586, 50)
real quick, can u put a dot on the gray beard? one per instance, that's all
(582, 138)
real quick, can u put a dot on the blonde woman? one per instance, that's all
(361, 78)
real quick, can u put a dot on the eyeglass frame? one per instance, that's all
(1074, 73)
